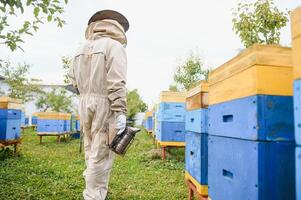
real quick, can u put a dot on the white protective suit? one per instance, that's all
(99, 73)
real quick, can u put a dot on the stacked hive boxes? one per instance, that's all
(296, 37)
(10, 118)
(251, 131)
(196, 138)
(77, 123)
(53, 122)
(75, 126)
(148, 120)
(170, 117)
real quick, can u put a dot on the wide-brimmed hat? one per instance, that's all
(111, 14)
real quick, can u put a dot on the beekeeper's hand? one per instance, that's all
(120, 123)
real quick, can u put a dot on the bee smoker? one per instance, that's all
(122, 142)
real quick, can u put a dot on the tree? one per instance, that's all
(134, 104)
(259, 22)
(173, 88)
(42, 11)
(56, 100)
(190, 72)
(20, 86)
(66, 62)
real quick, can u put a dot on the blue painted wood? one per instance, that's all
(297, 110)
(170, 131)
(47, 125)
(22, 119)
(171, 117)
(78, 125)
(10, 114)
(67, 125)
(76, 135)
(26, 120)
(260, 117)
(149, 123)
(196, 156)
(171, 107)
(243, 169)
(10, 129)
(197, 121)
(34, 120)
(298, 173)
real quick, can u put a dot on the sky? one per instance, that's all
(162, 34)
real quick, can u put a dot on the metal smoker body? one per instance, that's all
(122, 142)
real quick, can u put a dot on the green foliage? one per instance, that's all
(190, 72)
(134, 103)
(259, 22)
(57, 100)
(42, 11)
(66, 63)
(54, 171)
(20, 86)
(173, 88)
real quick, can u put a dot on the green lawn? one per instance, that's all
(54, 171)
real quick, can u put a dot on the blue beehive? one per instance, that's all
(77, 125)
(243, 169)
(297, 110)
(149, 123)
(196, 156)
(10, 123)
(47, 125)
(170, 131)
(259, 117)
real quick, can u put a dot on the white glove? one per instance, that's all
(120, 123)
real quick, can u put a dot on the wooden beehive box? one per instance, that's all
(10, 103)
(296, 42)
(198, 96)
(260, 69)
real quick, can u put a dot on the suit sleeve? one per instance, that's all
(71, 74)
(116, 78)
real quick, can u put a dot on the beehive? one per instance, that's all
(298, 172)
(260, 69)
(254, 169)
(198, 96)
(10, 118)
(296, 41)
(53, 122)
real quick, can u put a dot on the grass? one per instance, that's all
(54, 171)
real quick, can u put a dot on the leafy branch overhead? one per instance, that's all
(259, 22)
(20, 86)
(42, 11)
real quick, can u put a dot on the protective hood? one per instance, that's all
(106, 28)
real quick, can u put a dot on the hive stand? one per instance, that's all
(15, 143)
(192, 190)
(55, 134)
(165, 145)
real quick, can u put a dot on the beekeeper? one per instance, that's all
(99, 73)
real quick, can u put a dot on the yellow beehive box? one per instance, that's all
(47, 115)
(77, 117)
(10, 103)
(198, 96)
(296, 41)
(168, 96)
(260, 69)
(65, 116)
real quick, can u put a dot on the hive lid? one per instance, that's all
(10, 100)
(267, 55)
(148, 114)
(202, 86)
(168, 96)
